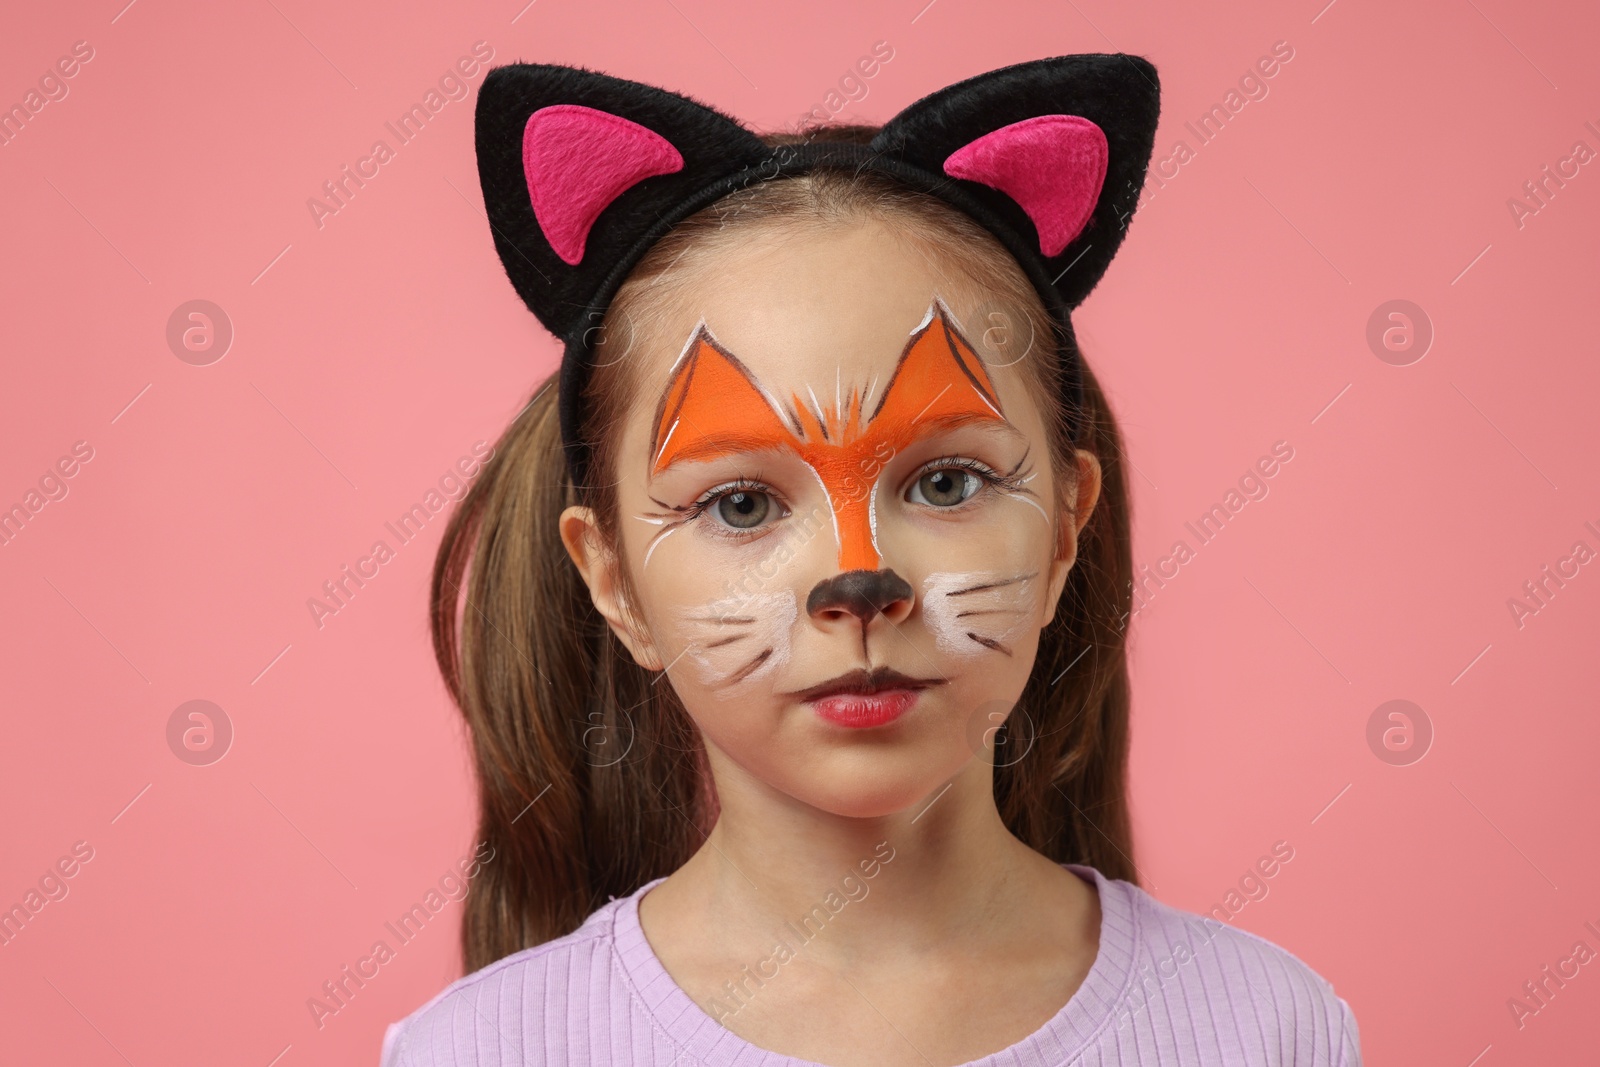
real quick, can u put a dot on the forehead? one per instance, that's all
(808, 309)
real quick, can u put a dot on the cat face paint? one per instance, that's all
(979, 611)
(818, 434)
(738, 640)
(713, 406)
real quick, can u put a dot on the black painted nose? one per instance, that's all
(864, 594)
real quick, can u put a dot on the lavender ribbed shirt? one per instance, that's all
(1167, 989)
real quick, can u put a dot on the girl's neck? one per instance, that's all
(945, 872)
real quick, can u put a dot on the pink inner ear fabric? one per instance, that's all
(1051, 165)
(577, 160)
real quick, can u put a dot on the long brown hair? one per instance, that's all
(592, 777)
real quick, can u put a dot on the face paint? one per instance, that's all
(714, 406)
(738, 639)
(978, 612)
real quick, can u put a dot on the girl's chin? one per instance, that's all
(873, 792)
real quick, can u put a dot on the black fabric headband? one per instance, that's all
(583, 172)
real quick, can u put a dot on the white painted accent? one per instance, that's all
(662, 536)
(868, 397)
(985, 400)
(1021, 499)
(662, 450)
(950, 316)
(832, 513)
(939, 610)
(872, 516)
(687, 345)
(816, 404)
(774, 614)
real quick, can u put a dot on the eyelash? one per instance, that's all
(990, 476)
(711, 496)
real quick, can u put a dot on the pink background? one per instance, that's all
(372, 352)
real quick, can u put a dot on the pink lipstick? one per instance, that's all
(860, 699)
(861, 710)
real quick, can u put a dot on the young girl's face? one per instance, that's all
(839, 518)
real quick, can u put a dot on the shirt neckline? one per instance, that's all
(686, 1025)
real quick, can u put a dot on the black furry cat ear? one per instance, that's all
(581, 171)
(577, 167)
(1066, 140)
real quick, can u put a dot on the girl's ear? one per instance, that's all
(602, 573)
(1088, 484)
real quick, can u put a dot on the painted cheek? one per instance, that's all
(977, 612)
(739, 639)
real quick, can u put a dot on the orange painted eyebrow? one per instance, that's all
(721, 446)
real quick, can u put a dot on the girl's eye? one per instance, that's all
(737, 507)
(743, 509)
(945, 487)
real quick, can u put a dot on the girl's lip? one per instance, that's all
(864, 710)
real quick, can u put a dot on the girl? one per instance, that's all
(789, 619)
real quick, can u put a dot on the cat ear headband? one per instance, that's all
(583, 172)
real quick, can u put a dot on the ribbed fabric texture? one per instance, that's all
(1167, 989)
